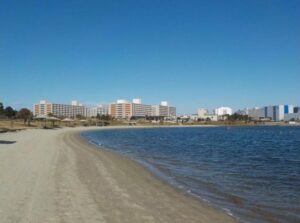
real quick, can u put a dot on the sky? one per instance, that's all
(240, 53)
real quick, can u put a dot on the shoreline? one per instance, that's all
(56, 175)
(146, 170)
(152, 170)
(8, 129)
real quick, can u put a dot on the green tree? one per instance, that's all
(10, 112)
(25, 114)
(98, 116)
(1, 108)
(78, 116)
(106, 117)
(133, 118)
(239, 117)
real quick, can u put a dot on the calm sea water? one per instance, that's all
(250, 172)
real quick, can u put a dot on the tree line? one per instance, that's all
(10, 113)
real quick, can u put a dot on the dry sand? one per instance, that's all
(54, 176)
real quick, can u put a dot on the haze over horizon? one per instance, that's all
(194, 54)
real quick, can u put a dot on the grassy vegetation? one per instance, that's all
(14, 124)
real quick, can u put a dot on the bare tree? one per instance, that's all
(25, 114)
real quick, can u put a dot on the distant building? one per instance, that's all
(223, 111)
(211, 117)
(274, 113)
(202, 113)
(194, 117)
(124, 109)
(292, 117)
(277, 113)
(94, 111)
(172, 111)
(139, 109)
(163, 110)
(296, 109)
(244, 111)
(44, 108)
(256, 113)
(120, 109)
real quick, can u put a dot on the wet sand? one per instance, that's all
(55, 176)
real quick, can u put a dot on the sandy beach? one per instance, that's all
(55, 176)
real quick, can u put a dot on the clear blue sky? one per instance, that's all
(191, 53)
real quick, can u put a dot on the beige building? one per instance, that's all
(121, 109)
(163, 110)
(44, 108)
(125, 109)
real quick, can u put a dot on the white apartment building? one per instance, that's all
(94, 111)
(139, 109)
(163, 110)
(155, 110)
(202, 113)
(223, 111)
(44, 108)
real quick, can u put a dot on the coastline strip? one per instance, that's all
(56, 176)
